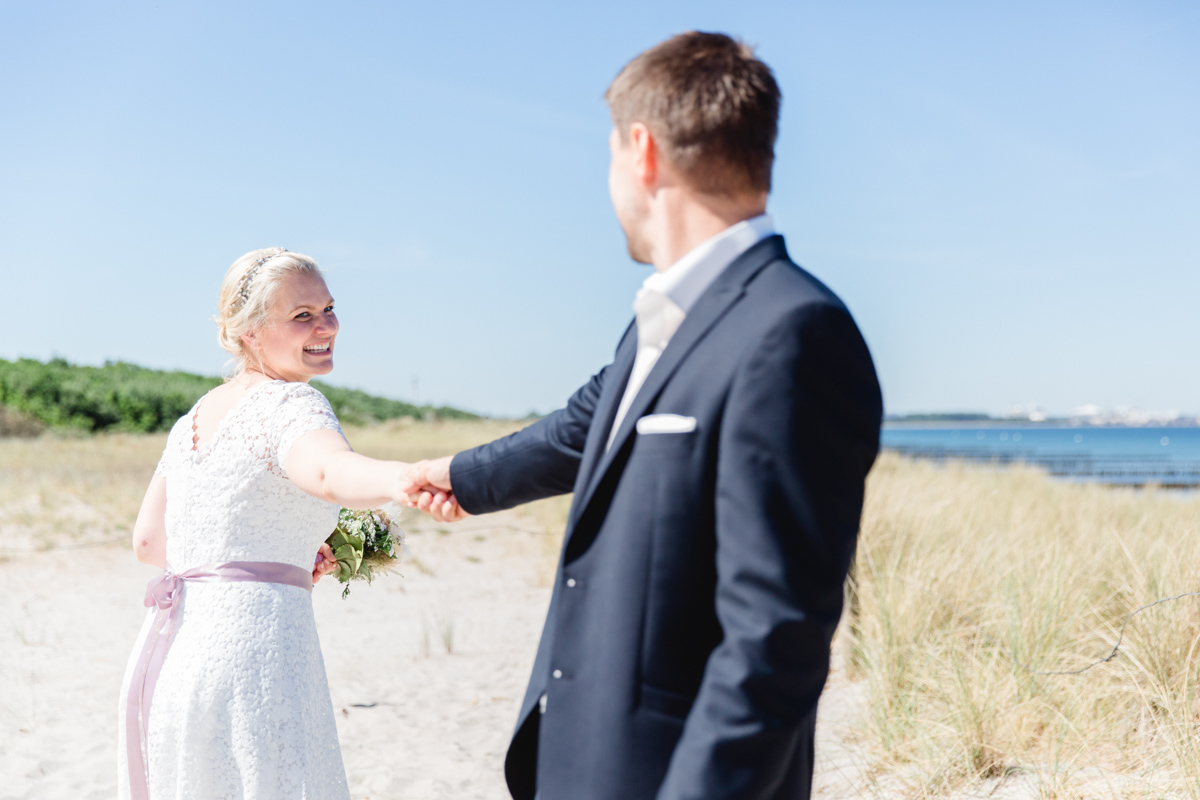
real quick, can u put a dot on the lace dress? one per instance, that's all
(242, 706)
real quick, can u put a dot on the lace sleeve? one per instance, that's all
(171, 450)
(302, 409)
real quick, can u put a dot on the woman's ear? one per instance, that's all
(251, 340)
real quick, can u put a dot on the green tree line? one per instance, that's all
(125, 397)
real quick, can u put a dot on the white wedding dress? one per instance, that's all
(242, 708)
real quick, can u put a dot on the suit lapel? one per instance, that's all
(703, 316)
(606, 410)
(710, 308)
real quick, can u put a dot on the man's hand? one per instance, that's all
(426, 486)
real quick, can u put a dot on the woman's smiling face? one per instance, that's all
(297, 345)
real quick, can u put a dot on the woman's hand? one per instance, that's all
(426, 486)
(324, 564)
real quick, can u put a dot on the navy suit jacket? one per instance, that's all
(700, 581)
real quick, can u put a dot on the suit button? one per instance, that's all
(570, 583)
(557, 674)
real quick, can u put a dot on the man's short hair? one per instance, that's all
(712, 107)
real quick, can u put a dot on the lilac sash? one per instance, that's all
(163, 591)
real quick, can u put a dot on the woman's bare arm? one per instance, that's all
(150, 529)
(322, 463)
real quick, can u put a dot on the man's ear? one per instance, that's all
(645, 155)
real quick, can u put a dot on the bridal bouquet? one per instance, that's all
(365, 543)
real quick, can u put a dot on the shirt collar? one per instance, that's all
(686, 279)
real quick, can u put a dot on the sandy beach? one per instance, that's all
(426, 667)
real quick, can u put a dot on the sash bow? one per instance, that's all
(162, 591)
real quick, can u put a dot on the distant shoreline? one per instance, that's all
(1054, 422)
(1110, 454)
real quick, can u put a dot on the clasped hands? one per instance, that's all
(426, 486)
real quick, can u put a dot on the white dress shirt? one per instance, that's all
(666, 297)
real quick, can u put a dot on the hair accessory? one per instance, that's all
(244, 288)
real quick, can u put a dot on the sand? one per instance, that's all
(426, 668)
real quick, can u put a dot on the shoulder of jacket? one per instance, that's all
(785, 292)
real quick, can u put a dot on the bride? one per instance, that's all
(225, 694)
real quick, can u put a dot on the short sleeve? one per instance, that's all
(172, 451)
(302, 409)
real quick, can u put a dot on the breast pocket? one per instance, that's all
(666, 445)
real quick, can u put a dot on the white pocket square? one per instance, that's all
(666, 423)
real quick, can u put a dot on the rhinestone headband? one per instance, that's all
(248, 278)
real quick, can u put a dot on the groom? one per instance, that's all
(717, 464)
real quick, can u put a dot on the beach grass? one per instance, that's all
(67, 491)
(969, 582)
(62, 491)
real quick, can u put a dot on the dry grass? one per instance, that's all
(18, 425)
(966, 576)
(69, 491)
(411, 440)
(61, 492)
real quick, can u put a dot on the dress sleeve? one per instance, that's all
(301, 410)
(171, 451)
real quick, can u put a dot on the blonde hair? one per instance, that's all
(248, 292)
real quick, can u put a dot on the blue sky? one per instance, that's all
(1006, 195)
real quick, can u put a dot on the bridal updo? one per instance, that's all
(248, 293)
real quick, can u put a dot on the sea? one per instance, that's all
(1134, 456)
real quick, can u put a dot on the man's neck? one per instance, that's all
(686, 219)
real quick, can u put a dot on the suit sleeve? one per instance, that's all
(536, 462)
(799, 434)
